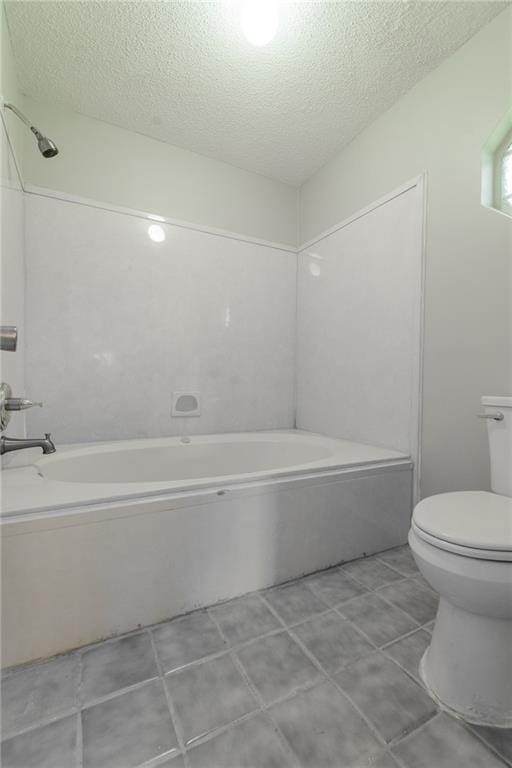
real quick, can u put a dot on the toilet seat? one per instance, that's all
(474, 524)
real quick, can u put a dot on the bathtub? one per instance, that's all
(101, 539)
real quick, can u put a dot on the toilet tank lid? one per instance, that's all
(475, 519)
(497, 401)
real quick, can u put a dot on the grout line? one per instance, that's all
(61, 715)
(402, 637)
(218, 730)
(405, 737)
(330, 679)
(258, 698)
(424, 721)
(397, 608)
(484, 741)
(79, 741)
(361, 631)
(79, 727)
(399, 761)
(339, 610)
(392, 583)
(264, 709)
(312, 617)
(393, 568)
(119, 692)
(174, 718)
(355, 582)
(156, 762)
(277, 615)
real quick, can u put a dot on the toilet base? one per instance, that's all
(467, 668)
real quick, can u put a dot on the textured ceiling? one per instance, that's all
(182, 72)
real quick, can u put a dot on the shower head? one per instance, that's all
(47, 147)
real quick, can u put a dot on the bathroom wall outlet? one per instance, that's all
(186, 404)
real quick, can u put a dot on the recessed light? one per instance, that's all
(259, 20)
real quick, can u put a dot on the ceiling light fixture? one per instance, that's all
(259, 20)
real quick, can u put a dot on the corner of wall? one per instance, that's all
(10, 91)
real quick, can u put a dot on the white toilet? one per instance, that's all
(462, 543)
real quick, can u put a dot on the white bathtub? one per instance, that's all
(100, 539)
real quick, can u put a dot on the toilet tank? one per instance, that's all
(500, 443)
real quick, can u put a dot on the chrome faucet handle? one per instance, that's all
(8, 338)
(19, 404)
(9, 403)
(496, 416)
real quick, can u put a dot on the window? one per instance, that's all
(497, 168)
(503, 177)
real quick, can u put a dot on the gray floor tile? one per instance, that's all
(401, 559)
(411, 597)
(39, 692)
(499, 738)
(49, 746)
(333, 641)
(324, 730)
(419, 579)
(409, 650)
(253, 743)
(445, 743)
(371, 572)
(377, 619)
(115, 665)
(187, 639)
(171, 762)
(129, 729)
(335, 586)
(276, 665)
(393, 702)
(294, 602)
(244, 619)
(386, 760)
(209, 695)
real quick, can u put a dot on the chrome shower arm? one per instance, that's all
(47, 147)
(19, 114)
(24, 119)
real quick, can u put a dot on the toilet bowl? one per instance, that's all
(462, 544)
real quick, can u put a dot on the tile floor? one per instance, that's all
(318, 673)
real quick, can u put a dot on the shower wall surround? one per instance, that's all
(12, 278)
(359, 299)
(116, 322)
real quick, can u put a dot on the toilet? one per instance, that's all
(462, 544)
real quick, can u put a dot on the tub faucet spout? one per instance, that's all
(8, 444)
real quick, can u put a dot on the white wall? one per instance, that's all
(441, 126)
(116, 322)
(12, 276)
(12, 270)
(359, 309)
(112, 165)
(9, 88)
